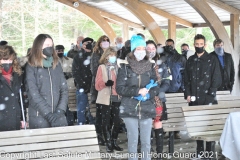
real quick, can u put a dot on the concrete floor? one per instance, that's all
(181, 146)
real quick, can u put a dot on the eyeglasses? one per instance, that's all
(105, 40)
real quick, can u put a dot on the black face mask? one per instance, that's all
(184, 52)
(48, 51)
(60, 54)
(89, 46)
(169, 49)
(199, 50)
(6, 66)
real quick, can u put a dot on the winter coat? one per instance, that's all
(94, 67)
(81, 71)
(165, 82)
(176, 64)
(128, 85)
(202, 78)
(122, 53)
(227, 72)
(10, 109)
(104, 91)
(73, 52)
(47, 91)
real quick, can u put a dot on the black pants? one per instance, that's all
(98, 123)
(111, 113)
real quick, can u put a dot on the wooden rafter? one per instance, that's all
(224, 6)
(165, 14)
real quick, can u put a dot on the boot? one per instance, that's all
(159, 141)
(115, 131)
(200, 147)
(100, 140)
(108, 139)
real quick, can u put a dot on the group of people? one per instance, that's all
(125, 82)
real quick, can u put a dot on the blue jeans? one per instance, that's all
(82, 104)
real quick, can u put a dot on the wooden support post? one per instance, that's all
(234, 25)
(125, 31)
(172, 29)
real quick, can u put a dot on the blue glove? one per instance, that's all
(141, 98)
(151, 84)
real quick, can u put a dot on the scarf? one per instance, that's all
(7, 75)
(47, 62)
(139, 67)
(109, 67)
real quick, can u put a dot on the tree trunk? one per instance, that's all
(60, 24)
(36, 22)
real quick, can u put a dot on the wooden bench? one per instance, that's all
(72, 102)
(206, 122)
(176, 121)
(61, 143)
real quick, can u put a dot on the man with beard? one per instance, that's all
(202, 79)
(83, 77)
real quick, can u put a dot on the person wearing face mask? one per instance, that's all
(83, 77)
(137, 107)
(101, 45)
(125, 50)
(164, 82)
(66, 64)
(105, 84)
(46, 85)
(226, 65)
(184, 48)
(77, 48)
(10, 82)
(202, 79)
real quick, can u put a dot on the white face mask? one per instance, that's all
(152, 54)
(139, 54)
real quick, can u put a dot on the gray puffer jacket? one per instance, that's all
(47, 90)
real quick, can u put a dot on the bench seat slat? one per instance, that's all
(49, 145)
(174, 120)
(174, 110)
(175, 115)
(46, 131)
(206, 117)
(205, 133)
(200, 123)
(205, 128)
(211, 112)
(215, 137)
(46, 138)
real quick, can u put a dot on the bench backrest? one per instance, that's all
(75, 141)
(175, 101)
(209, 119)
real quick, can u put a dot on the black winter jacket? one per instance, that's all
(47, 90)
(81, 71)
(227, 72)
(10, 111)
(94, 67)
(202, 78)
(128, 85)
(165, 82)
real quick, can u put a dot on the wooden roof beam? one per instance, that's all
(134, 7)
(224, 6)
(97, 18)
(165, 14)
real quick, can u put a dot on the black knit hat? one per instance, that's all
(57, 47)
(87, 39)
(2, 43)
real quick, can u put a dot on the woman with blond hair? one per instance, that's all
(10, 82)
(46, 85)
(102, 44)
(108, 97)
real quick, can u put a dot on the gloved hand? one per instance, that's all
(151, 84)
(60, 118)
(109, 83)
(141, 98)
(51, 117)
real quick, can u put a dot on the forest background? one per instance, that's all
(22, 20)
